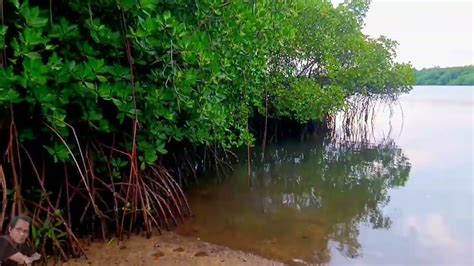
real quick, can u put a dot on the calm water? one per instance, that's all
(405, 198)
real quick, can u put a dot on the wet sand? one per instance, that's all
(166, 249)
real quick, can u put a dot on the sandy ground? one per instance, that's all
(166, 249)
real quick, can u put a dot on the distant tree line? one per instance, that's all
(445, 76)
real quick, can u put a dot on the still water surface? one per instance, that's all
(404, 198)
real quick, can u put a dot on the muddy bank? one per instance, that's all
(166, 249)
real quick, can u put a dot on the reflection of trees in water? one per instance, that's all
(345, 183)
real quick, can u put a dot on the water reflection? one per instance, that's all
(305, 199)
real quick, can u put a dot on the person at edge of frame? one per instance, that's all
(13, 250)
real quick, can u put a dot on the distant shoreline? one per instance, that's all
(448, 76)
(442, 85)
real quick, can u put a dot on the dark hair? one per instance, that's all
(15, 219)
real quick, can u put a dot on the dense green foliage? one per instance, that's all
(199, 69)
(107, 87)
(445, 76)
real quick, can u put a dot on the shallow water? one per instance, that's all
(404, 197)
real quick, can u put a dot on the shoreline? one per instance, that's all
(168, 248)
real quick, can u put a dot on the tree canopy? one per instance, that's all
(445, 76)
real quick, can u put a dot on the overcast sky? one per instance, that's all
(429, 32)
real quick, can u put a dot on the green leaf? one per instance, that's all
(26, 135)
(90, 85)
(148, 4)
(93, 116)
(15, 3)
(33, 37)
(102, 78)
(49, 149)
(50, 47)
(37, 22)
(104, 91)
(167, 15)
(57, 119)
(128, 4)
(31, 16)
(33, 55)
(150, 156)
(161, 148)
(3, 32)
(9, 96)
